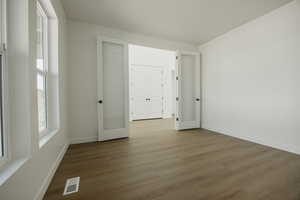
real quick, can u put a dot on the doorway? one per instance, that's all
(140, 83)
(150, 89)
(150, 83)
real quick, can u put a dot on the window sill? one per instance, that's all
(47, 137)
(11, 169)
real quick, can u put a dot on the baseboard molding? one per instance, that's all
(47, 181)
(84, 140)
(256, 141)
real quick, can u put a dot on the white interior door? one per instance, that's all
(147, 92)
(188, 90)
(113, 112)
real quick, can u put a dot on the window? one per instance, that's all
(47, 68)
(42, 68)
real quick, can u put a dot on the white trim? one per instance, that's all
(3, 24)
(280, 147)
(47, 181)
(44, 72)
(101, 132)
(99, 87)
(181, 125)
(51, 70)
(5, 111)
(84, 140)
(47, 137)
(161, 66)
(187, 125)
(11, 168)
(114, 134)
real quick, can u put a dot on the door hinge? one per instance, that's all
(4, 46)
(176, 57)
(177, 78)
(177, 98)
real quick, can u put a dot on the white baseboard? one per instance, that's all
(47, 181)
(280, 147)
(84, 140)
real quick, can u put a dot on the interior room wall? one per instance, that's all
(30, 181)
(82, 78)
(251, 80)
(152, 57)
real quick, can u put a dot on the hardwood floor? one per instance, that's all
(159, 163)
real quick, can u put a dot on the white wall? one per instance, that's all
(82, 85)
(31, 180)
(145, 56)
(251, 79)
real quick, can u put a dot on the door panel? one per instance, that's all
(147, 92)
(188, 91)
(112, 89)
(113, 79)
(188, 88)
(155, 108)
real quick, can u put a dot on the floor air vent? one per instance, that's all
(72, 185)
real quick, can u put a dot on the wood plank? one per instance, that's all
(159, 163)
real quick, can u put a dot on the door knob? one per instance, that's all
(197, 99)
(100, 101)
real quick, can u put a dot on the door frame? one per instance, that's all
(117, 133)
(197, 123)
(127, 101)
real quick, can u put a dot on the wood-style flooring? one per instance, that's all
(158, 163)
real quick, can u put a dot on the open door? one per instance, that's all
(113, 95)
(188, 90)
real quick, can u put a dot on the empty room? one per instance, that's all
(149, 99)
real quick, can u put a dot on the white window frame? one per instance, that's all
(52, 72)
(4, 89)
(44, 72)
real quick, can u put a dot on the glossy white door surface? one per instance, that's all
(188, 90)
(113, 85)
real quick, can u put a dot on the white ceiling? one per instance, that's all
(192, 21)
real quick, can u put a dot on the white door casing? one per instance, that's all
(146, 92)
(188, 89)
(112, 86)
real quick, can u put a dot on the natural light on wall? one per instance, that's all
(42, 65)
